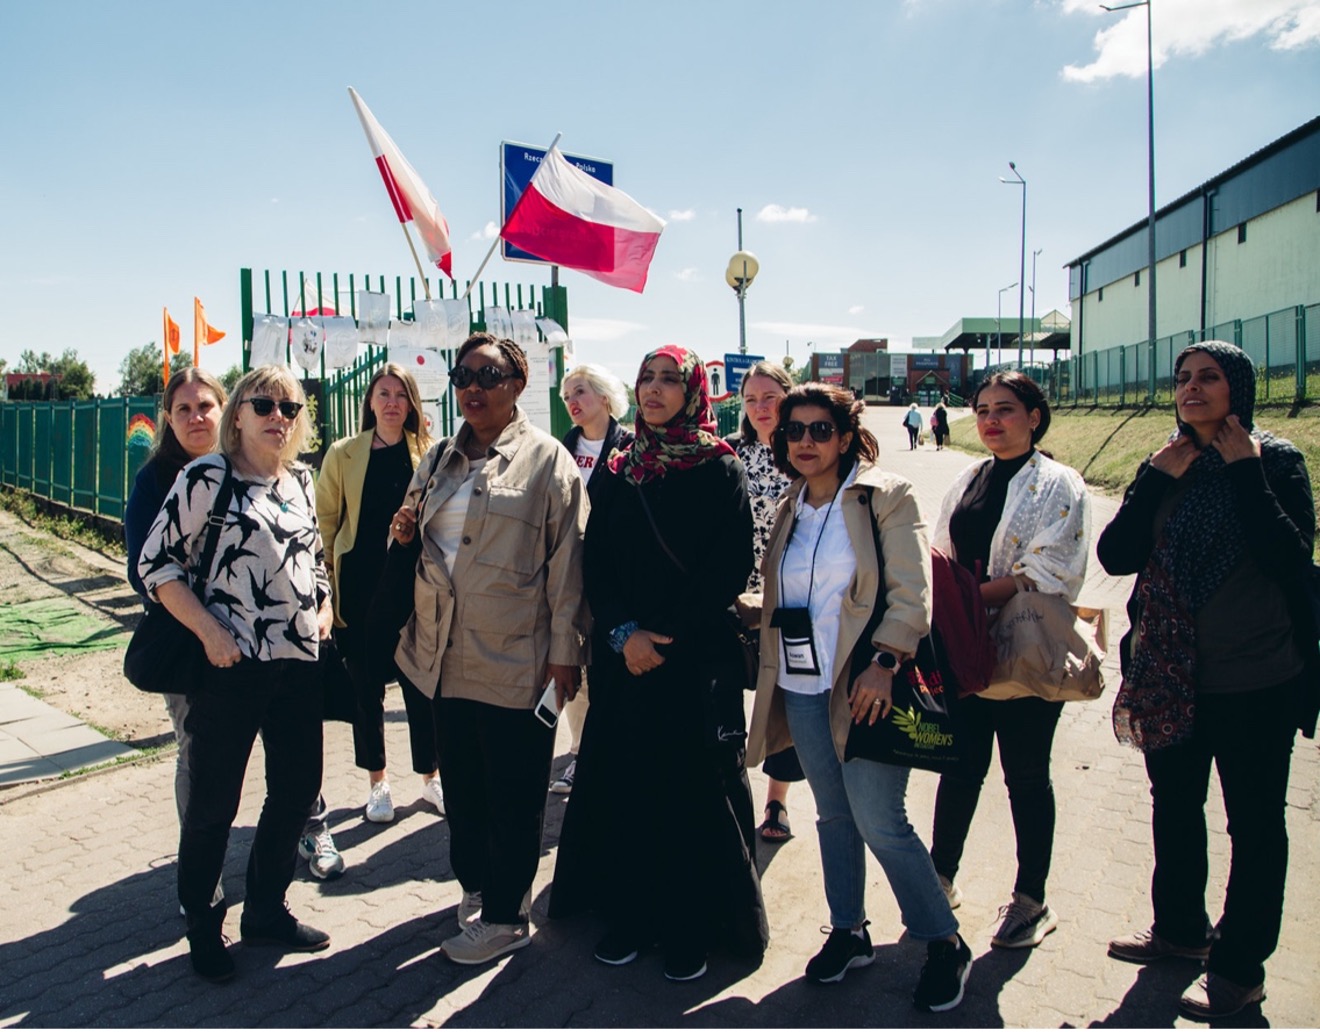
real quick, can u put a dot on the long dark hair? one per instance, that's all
(846, 412)
(1026, 390)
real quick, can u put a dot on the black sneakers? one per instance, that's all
(842, 950)
(617, 948)
(284, 931)
(207, 945)
(943, 976)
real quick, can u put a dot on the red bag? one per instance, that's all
(959, 618)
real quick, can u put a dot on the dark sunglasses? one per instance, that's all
(263, 407)
(821, 430)
(486, 377)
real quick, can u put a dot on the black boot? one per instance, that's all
(206, 944)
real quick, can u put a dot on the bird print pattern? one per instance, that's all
(268, 578)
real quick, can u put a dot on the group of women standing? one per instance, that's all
(528, 550)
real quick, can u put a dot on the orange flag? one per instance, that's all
(203, 332)
(171, 341)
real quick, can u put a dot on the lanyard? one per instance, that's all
(811, 583)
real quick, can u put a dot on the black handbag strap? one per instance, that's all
(215, 522)
(655, 529)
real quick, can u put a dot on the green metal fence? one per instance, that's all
(1284, 345)
(83, 454)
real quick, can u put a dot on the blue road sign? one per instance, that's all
(518, 163)
(736, 366)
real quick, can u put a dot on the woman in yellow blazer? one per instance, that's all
(363, 480)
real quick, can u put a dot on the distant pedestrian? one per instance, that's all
(939, 425)
(1023, 520)
(912, 423)
(1220, 668)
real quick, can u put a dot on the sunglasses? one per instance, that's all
(486, 377)
(263, 407)
(821, 430)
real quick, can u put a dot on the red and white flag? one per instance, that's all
(411, 199)
(567, 217)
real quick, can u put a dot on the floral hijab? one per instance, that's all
(687, 440)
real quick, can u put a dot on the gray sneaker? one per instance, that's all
(1212, 997)
(323, 859)
(1026, 923)
(480, 942)
(469, 908)
(1145, 946)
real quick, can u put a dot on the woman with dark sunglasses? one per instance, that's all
(499, 616)
(825, 588)
(669, 547)
(265, 608)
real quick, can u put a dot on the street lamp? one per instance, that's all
(999, 329)
(742, 269)
(1022, 253)
(1150, 165)
(1033, 303)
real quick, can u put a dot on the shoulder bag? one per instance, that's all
(1048, 647)
(163, 655)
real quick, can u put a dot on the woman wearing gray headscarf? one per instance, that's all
(1220, 667)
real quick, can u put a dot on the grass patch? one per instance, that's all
(100, 729)
(10, 671)
(36, 693)
(24, 505)
(119, 761)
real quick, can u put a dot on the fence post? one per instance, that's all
(1299, 362)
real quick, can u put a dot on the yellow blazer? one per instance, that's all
(339, 498)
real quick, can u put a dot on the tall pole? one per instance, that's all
(742, 296)
(1033, 303)
(1022, 255)
(999, 328)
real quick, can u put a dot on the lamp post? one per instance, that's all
(742, 269)
(1033, 303)
(1022, 254)
(999, 329)
(1150, 165)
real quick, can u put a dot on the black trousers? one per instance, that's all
(494, 769)
(281, 701)
(1025, 731)
(369, 730)
(1249, 738)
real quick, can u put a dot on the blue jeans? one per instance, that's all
(858, 804)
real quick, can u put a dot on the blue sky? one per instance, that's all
(155, 148)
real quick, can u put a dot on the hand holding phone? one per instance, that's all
(547, 709)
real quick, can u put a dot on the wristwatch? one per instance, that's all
(885, 660)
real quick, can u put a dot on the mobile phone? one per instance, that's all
(547, 710)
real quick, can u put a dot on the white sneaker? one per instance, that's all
(951, 892)
(563, 785)
(469, 908)
(480, 942)
(431, 793)
(380, 807)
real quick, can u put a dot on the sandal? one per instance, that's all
(775, 827)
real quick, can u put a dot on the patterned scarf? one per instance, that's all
(687, 440)
(1200, 543)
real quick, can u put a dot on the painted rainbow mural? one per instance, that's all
(141, 432)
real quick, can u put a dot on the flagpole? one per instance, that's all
(495, 243)
(165, 343)
(426, 283)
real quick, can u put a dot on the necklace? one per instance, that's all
(375, 437)
(277, 498)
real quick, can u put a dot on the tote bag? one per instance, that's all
(1049, 648)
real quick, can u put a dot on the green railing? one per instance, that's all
(81, 454)
(1284, 345)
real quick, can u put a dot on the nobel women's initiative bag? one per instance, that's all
(163, 655)
(1048, 647)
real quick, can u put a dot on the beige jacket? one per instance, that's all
(515, 601)
(339, 498)
(906, 548)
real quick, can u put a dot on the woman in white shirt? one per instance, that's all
(823, 581)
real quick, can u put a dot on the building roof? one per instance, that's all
(1049, 332)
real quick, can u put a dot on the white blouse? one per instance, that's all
(445, 528)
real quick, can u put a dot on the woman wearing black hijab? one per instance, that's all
(1220, 666)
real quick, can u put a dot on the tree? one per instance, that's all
(230, 377)
(76, 379)
(141, 374)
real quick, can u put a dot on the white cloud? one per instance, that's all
(685, 215)
(602, 330)
(274, 200)
(1188, 28)
(686, 275)
(487, 232)
(853, 310)
(778, 213)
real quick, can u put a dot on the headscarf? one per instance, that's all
(687, 440)
(1199, 545)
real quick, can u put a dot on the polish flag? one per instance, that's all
(568, 218)
(411, 199)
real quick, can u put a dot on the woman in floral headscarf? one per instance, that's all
(668, 548)
(1220, 666)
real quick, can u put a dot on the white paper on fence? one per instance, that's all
(404, 335)
(431, 418)
(554, 333)
(498, 321)
(270, 341)
(524, 327)
(427, 368)
(459, 319)
(535, 400)
(305, 340)
(373, 316)
(341, 341)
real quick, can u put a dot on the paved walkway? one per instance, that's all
(91, 933)
(38, 741)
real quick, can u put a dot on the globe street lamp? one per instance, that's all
(999, 329)
(742, 269)
(1150, 166)
(1022, 253)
